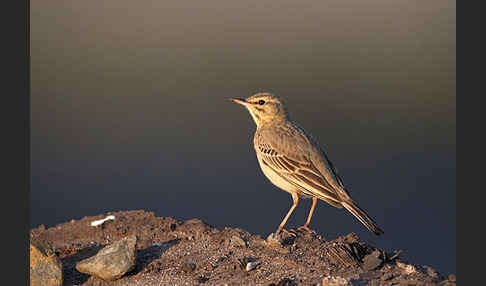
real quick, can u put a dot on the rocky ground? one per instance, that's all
(171, 252)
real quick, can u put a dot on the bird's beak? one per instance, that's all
(239, 101)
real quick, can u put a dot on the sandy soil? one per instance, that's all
(172, 252)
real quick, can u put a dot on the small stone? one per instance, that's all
(188, 267)
(251, 265)
(407, 268)
(335, 281)
(45, 266)
(372, 260)
(111, 262)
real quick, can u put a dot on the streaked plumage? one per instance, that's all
(293, 160)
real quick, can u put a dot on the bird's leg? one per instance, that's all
(295, 198)
(306, 225)
(313, 207)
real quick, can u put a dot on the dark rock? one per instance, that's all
(45, 267)
(188, 267)
(372, 260)
(111, 262)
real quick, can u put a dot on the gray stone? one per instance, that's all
(45, 267)
(111, 262)
(372, 260)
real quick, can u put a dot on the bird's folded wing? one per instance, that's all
(301, 173)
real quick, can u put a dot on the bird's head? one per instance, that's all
(265, 108)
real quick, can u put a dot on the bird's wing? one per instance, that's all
(289, 158)
(320, 160)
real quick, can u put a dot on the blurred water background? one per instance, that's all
(129, 110)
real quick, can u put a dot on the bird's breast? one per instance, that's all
(278, 181)
(275, 178)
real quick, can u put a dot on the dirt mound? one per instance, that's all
(171, 252)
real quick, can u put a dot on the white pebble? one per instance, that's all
(101, 221)
(251, 265)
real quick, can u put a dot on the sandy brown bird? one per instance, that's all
(293, 160)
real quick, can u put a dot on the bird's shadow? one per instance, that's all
(143, 257)
(70, 275)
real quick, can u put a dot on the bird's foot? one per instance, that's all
(285, 232)
(281, 237)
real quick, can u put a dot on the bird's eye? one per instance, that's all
(261, 102)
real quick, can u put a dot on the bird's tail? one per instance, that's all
(362, 216)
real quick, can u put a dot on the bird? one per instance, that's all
(293, 160)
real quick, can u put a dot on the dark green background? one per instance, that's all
(129, 110)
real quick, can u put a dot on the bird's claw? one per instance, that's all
(283, 230)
